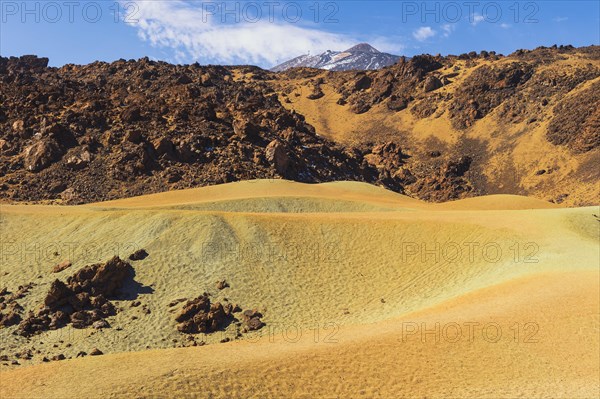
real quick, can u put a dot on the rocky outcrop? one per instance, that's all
(576, 123)
(395, 85)
(448, 182)
(386, 156)
(485, 89)
(81, 301)
(10, 309)
(199, 315)
(103, 131)
(277, 156)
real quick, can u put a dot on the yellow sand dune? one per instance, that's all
(269, 189)
(345, 193)
(345, 274)
(521, 339)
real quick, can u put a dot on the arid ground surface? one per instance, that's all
(430, 229)
(363, 292)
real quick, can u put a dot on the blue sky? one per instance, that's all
(267, 32)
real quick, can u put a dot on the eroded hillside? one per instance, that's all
(436, 128)
(528, 123)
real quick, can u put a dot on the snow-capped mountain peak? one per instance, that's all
(363, 56)
(363, 48)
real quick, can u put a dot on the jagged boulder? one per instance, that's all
(277, 156)
(41, 154)
(387, 156)
(252, 320)
(82, 300)
(199, 315)
(10, 315)
(245, 129)
(431, 83)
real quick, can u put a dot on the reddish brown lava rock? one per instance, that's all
(252, 319)
(277, 156)
(200, 316)
(140, 254)
(10, 315)
(10, 309)
(82, 300)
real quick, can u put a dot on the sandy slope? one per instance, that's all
(508, 155)
(534, 353)
(361, 266)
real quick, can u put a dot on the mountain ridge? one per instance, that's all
(431, 127)
(361, 56)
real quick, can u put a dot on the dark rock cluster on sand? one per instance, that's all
(199, 315)
(82, 301)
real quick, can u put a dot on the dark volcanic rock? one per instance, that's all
(386, 156)
(432, 83)
(576, 123)
(10, 309)
(105, 131)
(10, 316)
(485, 89)
(315, 92)
(449, 182)
(394, 84)
(252, 320)
(458, 168)
(86, 133)
(96, 352)
(200, 316)
(277, 156)
(101, 278)
(140, 254)
(41, 154)
(80, 301)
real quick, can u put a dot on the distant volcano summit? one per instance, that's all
(363, 56)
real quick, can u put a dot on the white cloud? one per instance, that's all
(193, 34)
(448, 29)
(424, 33)
(504, 25)
(476, 19)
